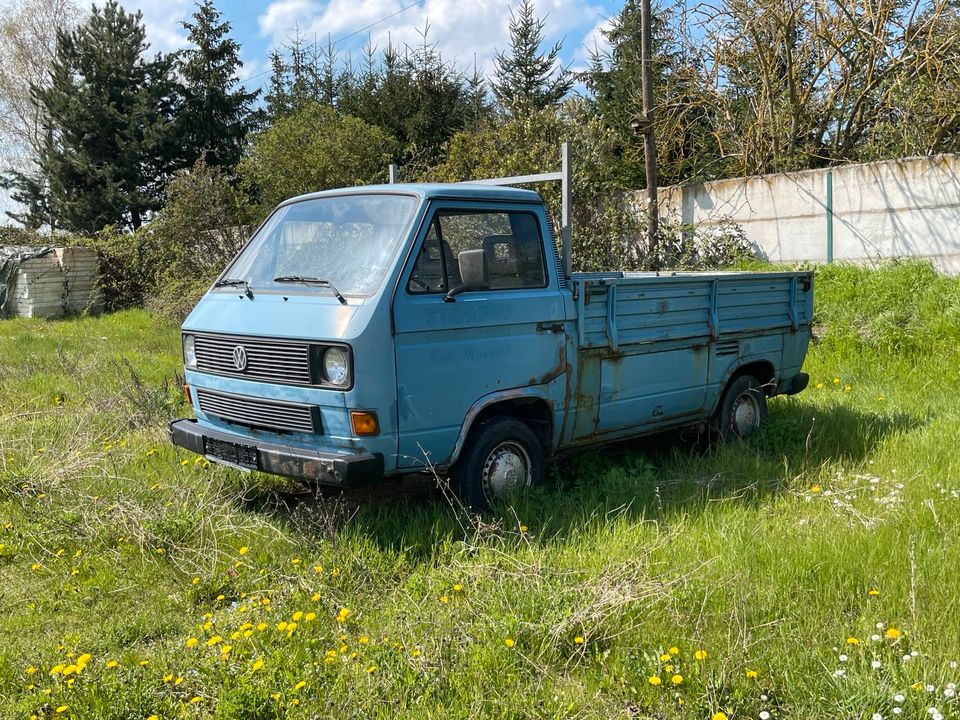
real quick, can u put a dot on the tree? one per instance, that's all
(314, 149)
(108, 121)
(28, 42)
(215, 118)
(526, 80)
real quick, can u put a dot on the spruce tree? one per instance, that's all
(108, 119)
(526, 80)
(216, 116)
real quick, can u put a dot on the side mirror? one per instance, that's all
(473, 272)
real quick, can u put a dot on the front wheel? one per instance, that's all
(502, 456)
(742, 409)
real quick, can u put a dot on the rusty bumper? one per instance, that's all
(326, 468)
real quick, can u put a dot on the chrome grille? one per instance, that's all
(272, 361)
(259, 413)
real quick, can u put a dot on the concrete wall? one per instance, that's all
(896, 208)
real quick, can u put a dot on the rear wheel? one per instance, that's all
(502, 456)
(742, 409)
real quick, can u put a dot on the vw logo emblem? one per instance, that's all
(240, 358)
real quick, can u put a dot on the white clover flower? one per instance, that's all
(914, 653)
(937, 716)
(875, 664)
(907, 658)
(876, 638)
(953, 664)
(931, 710)
(949, 692)
(876, 716)
(897, 711)
(839, 672)
(898, 698)
(929, 688)
(764, 715)
(764, 698)
(951, 686)
(843, 658)
(879, 626)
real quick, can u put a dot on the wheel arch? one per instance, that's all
(523, 404)
(761, 368)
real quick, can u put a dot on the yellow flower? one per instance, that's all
(276, 696)
(244, 550)
(261, 626)
(836, 381)
(700, 654)
(300, 684)
(282, 625)
(674, 650)
(69, 670)
(310, 616)
(265, 601)
(335, 572)
(168, 677)
(853, 641)
(664, 657)
(819, 386)
(153, 717)
(297, 616)
(316, 597)
(191, 642)
(444, 599)
(112, 663)
(343, 614)
(195, 581)
(523, 528)
(63, 709)
(654, 680)
(893, 633)
(318, 569)
(668, 668)
(290, 628)
(214, 640)
(364, 639)
(56, 669)
(676, 679)
(751, 674)
(457, 587)
(578, 640)
(295, 561)
(917, 686)
(816, 489)
(225, 649)
(509, 642)
(719, 716)
(257, 664)
(372, 669)
(195, 699)
(31, 670)
(144, 663)
(873, 592)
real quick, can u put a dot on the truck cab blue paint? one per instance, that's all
(601, 355)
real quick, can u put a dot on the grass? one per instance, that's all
(841, 514)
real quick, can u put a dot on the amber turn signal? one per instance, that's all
(186, 394)
(364, 423)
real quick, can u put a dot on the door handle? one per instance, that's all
(556, 327)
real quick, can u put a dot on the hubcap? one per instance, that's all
(746, 414)
(507, 467)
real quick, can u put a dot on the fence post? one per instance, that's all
(829, 216)
(392, 174)
(566, 201)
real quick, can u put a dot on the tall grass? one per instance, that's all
(771, 556)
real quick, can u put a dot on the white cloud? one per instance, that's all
(461, 29)
(162, 20)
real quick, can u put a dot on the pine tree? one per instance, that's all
(216, 116)
(109, 133)
(277, 98)
(525, 80)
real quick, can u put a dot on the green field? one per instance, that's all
(137, 580)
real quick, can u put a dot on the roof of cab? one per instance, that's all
(427, 191)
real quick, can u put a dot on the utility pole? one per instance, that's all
(644, 126)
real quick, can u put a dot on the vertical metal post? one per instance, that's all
(566, 203)
(829, 216)
(649, 148)
(392, 174)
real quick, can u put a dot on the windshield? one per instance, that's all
(347, 240)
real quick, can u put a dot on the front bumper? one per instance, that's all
(325, 468)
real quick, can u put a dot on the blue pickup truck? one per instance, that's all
(375, 331)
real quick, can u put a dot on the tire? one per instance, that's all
(502, 455)
(742, 409)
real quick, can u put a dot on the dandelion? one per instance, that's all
(261, 626)
(893, 633)
(244, 550)
(318, 569)
(509, 642)
(295, 561)
(112, 663)
(62, 709)
(853, 641)
(31, 670)
(719, 716)
(444, 599)
(282, 625)
(457, 587)
(752, 674)
(343, 614)
(151, 451)
(315, 597)
(297, 616)
(664, 657)
(578, 640)
(372, 669)
(674, 650)
(815, 489)
(153, 717)
(364, 640)
(654, 680)
(195, 699)
(836, 381)
(300, 684)
(167, 678)
(195, 581)
(257, 664)
(700, 655)
(144, 663)
(949, 692)
(676, 679)
(873, 592)
(214, 640)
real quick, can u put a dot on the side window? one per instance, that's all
(510, 241)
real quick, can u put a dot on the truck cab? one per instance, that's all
(377, 331)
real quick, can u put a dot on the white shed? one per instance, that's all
(48, 282)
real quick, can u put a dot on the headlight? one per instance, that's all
(336, 366)
(189, 352)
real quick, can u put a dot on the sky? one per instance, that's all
(463, 30)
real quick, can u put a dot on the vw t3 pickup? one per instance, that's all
(374, 331)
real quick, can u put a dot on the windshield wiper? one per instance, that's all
(312, 281)
(247, 290)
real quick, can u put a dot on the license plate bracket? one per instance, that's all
(245, 456)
